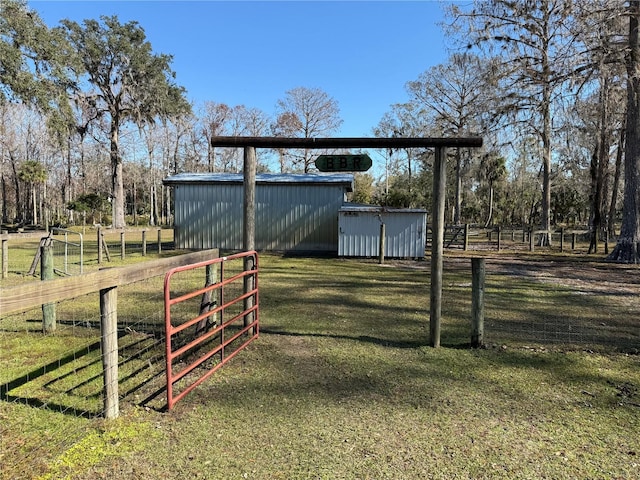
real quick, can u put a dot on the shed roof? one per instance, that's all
(262, 178)
(359, 207)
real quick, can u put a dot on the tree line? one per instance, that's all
(91, 120)
(552, 87)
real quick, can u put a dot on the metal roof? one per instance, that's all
(262, 178)
(359, 207)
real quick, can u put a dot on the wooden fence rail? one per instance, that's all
(32, 295)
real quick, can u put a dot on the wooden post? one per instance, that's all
(122, 246)
(606, 242)
(249, 207)
(477, 302)
(437, 244)
(573, 240)
(144, 243)
(159, 241)
(466, 237)
(208, 302)
(5, 254)
(532, 236)
(46, 273)
(382, 244)
(249, 230)
(109, 345)
(498, 237)
(100, 241)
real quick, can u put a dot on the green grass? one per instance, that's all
(341, 384)
(22, 250)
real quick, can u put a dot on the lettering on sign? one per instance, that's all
(344, 163)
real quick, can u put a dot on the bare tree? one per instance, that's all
(454, 95)
(307, 113)
(538, 49)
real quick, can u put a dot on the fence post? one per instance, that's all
(382, 244)
(159, 241)
(249, 228)
(46, 273)
(573, 240)
(532, 236)
(99, 245)
(477, 302)
(208, 303)
(109, 345)
(466, 237)
(122, 246)
(437, 245)
(5, 254)
(562, 240)
(144, 243)
(499, 238)
(606, 242)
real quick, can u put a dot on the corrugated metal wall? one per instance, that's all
(289, 217)
(405, 233)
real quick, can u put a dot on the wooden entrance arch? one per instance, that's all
(249, 144)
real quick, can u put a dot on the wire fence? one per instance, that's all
(557, 303)
(62, 372)
(538, 305)
(76, 252)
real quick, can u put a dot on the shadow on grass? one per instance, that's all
(73, 384)
(361, 338)
(43, 370)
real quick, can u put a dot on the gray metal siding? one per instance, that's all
(208, 216)
(289, 217)
(405, 234)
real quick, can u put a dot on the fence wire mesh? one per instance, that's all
(51, 384)
(60, 374)
(551, 303)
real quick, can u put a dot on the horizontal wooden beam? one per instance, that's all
(31, 295)
(345, 142)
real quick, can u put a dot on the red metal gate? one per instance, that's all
(207, 326)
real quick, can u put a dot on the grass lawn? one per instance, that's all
(342, 385)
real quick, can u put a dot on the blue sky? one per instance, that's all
(250, 53)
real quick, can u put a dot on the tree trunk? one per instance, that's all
(490, 215)
(67, 193)
(5, 216)
(594, 200)
(616, 182)
(152, 203)
(545, 239)
(34, 205)
(456, 213)
(626, 250)
(16, 183)
(117, 203)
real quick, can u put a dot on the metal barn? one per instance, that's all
(294, 212)
(359, 227)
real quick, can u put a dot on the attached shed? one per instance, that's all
(294, 212)
(359, 227)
